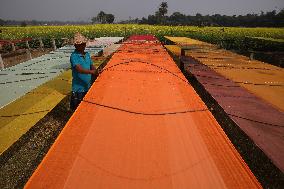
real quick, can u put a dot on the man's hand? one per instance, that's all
(84, 71)
(100, 71)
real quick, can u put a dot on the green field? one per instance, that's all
(227, 37)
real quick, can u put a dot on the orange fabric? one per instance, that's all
(142, 126)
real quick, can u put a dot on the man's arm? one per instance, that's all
(93, 67)
(81, 70)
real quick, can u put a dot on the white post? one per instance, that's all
(27, 45)
(65, 41)
(53, 44)
(251, 57)
(1, 63)
(29, 55)
(13, 47)
(41, 44)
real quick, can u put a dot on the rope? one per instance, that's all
(22, 80)
(229, 96)
(145, 113)
(252, 120)
(45, 60)
(220, 85)
(232, 67)
(23, 114)
(47, 93)
(242, 82)
(34, 69)
(36, 73)
(133, 61)
(167, 113)
(138, 71)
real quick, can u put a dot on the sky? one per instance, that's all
(84, 10)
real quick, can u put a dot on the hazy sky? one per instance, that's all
(75, 10)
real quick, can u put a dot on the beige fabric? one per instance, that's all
(79, 39)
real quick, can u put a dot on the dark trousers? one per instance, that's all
(76, 98)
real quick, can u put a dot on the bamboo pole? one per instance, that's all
(27, 45)
(182, 55)
(29, 55)
(1, 63)
(13, 47)
(53, 44)
(251, 57)
(41, 45)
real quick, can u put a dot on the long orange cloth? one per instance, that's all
(142, 125)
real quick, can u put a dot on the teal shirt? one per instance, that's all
(80, 82)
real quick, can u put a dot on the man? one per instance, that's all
(82, 69)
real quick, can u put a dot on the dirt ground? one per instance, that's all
(15, 58)
(20, 161)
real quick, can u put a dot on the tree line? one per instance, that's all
(268, 19)
(160, 17)
(39, 23)
(101, 17)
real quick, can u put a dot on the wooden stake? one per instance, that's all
(13, 47)
(29, 55)
(181, 64)
(41, 45)
(53, 44)
(27, 45)
(1, 63)
(251, 57)
(65, 41)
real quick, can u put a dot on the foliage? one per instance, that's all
(109, 18)
(163, 9)
(23, 24)
(227, 37)
(265, 44)
(103, 18)
(268, 19)
(2, 22)
(159, 17)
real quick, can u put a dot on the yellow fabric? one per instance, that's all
(41, 100)
(239, 69)
(184, 40)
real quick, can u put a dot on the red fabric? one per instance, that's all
(143, 37)
(15, 41)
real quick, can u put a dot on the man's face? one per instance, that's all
(80, 47)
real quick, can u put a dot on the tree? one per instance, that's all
(268, 19)
(2, 22)
(152, 19)
(34, 23)
(177, 18)
(94, 20)
(162, 11)
(23, 24)
(109, 18)
(101, 17)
